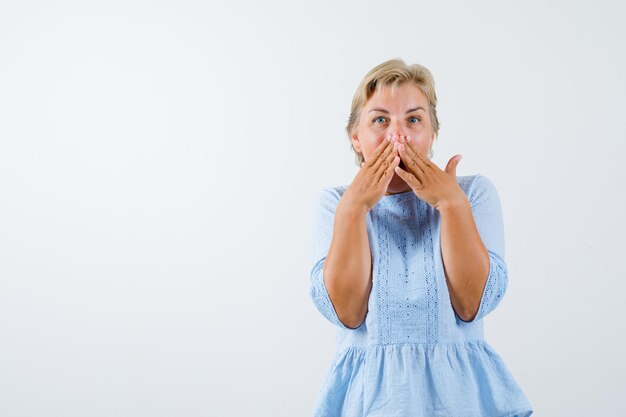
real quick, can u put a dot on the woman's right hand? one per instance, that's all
(371, 182)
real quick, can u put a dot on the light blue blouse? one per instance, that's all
(413, 356)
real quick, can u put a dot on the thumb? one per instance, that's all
(452, 164)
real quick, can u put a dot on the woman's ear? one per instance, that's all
(356, 143)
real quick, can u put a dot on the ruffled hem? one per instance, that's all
(431, 380)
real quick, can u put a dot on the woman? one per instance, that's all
(406, 261)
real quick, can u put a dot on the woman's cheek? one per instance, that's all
(375, 140)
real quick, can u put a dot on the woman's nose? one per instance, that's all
(400, 133)
(396, 129)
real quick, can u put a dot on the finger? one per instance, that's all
(412, 180)
(393, 159)
(386, 174)
(411, 163)
(387, 155)
(382, 147)
(452, 164)
(412, 150)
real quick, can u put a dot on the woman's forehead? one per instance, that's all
(403, 96)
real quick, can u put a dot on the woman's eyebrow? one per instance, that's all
(407, 112)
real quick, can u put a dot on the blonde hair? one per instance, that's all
(392, 73)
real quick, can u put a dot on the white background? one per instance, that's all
(159, 160)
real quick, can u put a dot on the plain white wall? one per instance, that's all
(158, 162)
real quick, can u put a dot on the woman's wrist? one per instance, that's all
(349, 207)
(453, 203)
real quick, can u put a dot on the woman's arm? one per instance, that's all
(465, 258)
(340, 259)
(348, 265)
(472, 232)
(472, 249)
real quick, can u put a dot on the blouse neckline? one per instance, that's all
(398, 195)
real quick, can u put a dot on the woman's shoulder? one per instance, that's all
(476, 186)
(332, 192)
(328, 197)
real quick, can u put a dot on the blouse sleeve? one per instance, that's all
(323, 216)
(487, 212)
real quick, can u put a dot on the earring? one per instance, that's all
(430, 152)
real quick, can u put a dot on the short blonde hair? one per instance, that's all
(391, 73)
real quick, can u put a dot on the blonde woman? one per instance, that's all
(406, 261)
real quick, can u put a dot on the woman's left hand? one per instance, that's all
(438, 188)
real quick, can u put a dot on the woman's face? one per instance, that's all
(405, 114)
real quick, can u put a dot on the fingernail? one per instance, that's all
(408, 139)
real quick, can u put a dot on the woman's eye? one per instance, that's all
(381, 119)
